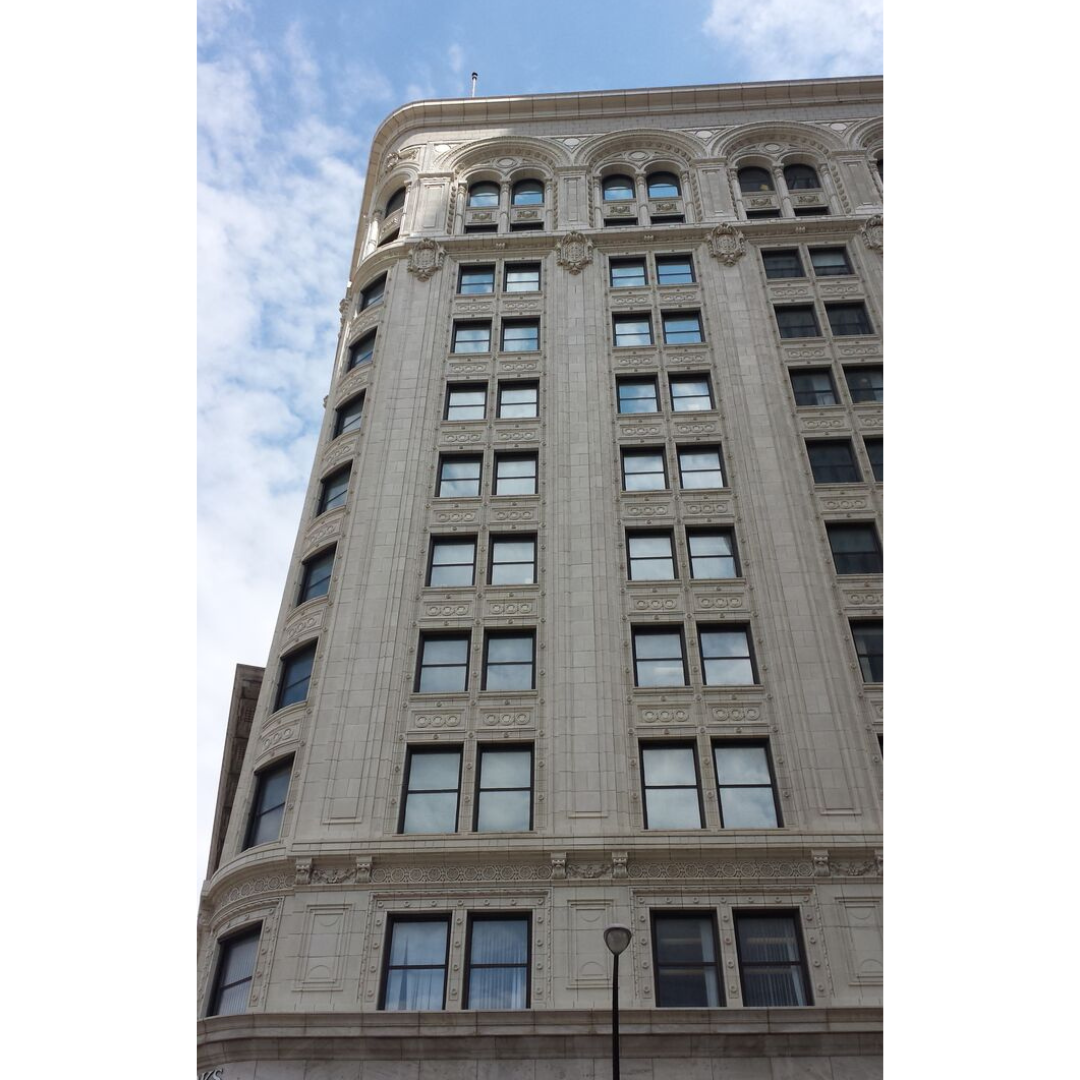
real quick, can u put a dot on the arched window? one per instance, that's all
(397, 201)
(485, 193)
(800, 177)
(617, 188)
(528, 193)
(664, 185)
(754, 178)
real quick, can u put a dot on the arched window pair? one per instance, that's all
(523, 193)
(753, 179)
(661, 185)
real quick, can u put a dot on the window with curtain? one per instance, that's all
(686, 961)
(497, 974)
(416, 964)
(432, 780)
(848, 319)
(504, 789)
(796, 320)
(745, 786)
(830, 261)
(782, 263)
(235, 970)
(295, 676)
(771, 964)
(669, 777)
(658, 656)
(268, 806)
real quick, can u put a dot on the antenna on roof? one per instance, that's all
(473, 94)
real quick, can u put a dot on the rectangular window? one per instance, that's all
(848, 319)
(669, 777)
(771, 964)
(700, 467)
(753, 215)
(726, 659)
(453, 561)
(650, 556)
(782, 263)
(315, 579)
(830, 262)
(658, 656)
(875, 451)
(637, 395)
(504, 789)
(515, 474)
(513, 560)
(459, 476)
(472, 337)
(832, 461)
(520, 335)
(519, 400)
(432, 780)
(796, 320)
(416, 964)
(334, 489)
(745, 786)
(522, 277)
(643, 470)
(481, 228)
(686, 964)
(681, 327)
(811, 211)
(473, 280)
(235, 970)
(373, 294)
(712, 553)
(295, 676)
(632, 330)
(509, 660)
(869, 637)
(813, 386)
(866, 382)
(855, 548)
(444, 664)
(349, 416)
(466, 401)
(674, 269)
(627, 273)
(268, 806)
(690, 393)
(360, 352)
(497, 975)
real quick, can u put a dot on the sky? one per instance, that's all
(289, 96)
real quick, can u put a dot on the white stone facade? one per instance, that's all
(323, 895)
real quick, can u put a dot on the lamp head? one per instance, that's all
(617, 937)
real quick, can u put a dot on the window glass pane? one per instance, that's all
(528, 193)
(360, 352)
(521, 337)
(650, 645)
(452, 562)
(472, 337)
(748, 808)
(691, 394)
(500, 941)
(661, 673)
(796, 320)
(665, 765)
(813, 387)
(869, 644)
(334, 490)
(741, 765)
(627, 273)
(502, 649)
(728, 672)
(700, 469)
(505, 768)
(865, 383)
(685, 940)
(434, 812)
(373, 293)
(682, 329)
(673, 808)
(663, 185)
(829, 262)
(771, 962)
(522, 277)
(477, 279)
(754, 179)
(847, 319)
(409, 989)
(434, 770)
(633, 332)
(418, 943)
(446, 650)
(644, 471)
(832, 462)
(466, 404)
(497, 988)
(724, 643)
(800, 177)
(295, 675)
(674, 270)
(618, 187)
(782, 264)
(349, 416)
(650, 548)
(518, 401)
(875, 452)
(233, 999)
(484, 194)
(515, 475)
(504, 811)
(238, 959)
(459, 477)
(316, 580)
(509, 677)
(855, 549)
(638, 396)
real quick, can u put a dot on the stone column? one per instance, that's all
(781, 190)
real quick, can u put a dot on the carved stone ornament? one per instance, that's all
(727, 244)
(343, 308)
(821, 862)
(425, 259)
(874, 231)
(406, 153)
(558, 865)
(574, 252)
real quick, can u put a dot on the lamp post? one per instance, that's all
(616, 938)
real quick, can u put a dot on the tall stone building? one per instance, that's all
(583, 621)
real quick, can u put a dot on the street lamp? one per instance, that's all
(616, 938)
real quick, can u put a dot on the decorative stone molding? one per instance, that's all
(821, 862)
(574, 252)
(343, 310)
(751, 869)
(618, 864)
(303, 871)
(558, 866)
(727, 244)
(395, 157)
(425, 259)
(873, 231)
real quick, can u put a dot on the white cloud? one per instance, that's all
(780, 39)
(456, 55)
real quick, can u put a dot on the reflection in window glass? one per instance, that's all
(712, 554)
(865, 382)
(682, 328)
(484, 194)
(700, 467)
(725, 657)
(638, 396)
(349, 416)
(513, 560)
(617, 188)
(650, 557)
(295, 676)
(316, 578)
(515, 474)
(783, 263)
(519, 400)
(504, 790)
(453, 562)
(658, 658)
(522, 277)
(691, 393)
(464, 402)
(459, 477)
(268, 808)
(236, 969)
(476, 280)
(832, 461)
(472, 337)
(633, 330)
(813, 386)
(830, 262)
(528, 193)
(643, 470)
(520, 336)
(509, 664)
(745, 786)
(674, 270)
(669, 776)
(431, 791)
(334, 490)
(627, 273)
(444, 665)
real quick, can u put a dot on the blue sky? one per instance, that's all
(289, 96)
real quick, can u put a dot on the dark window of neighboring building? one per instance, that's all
(334, 489)
(832, 461)
(643, 470)
(515, 474)
(235, 970)
(315, 580)
(519, 400)
(681, 327)
(637, 395)
(855, 548)
(444, 664)
(509, 660)
(432, 779)
(453, 561)
(360, 352)
(771, 964)
(528, 193)
(459, 476)
(726, 659)
(782, 263)
(497, 975)
(295, 676)
(800, 178)
(520, 335)
(663, 185)
(674, 270)
(745, 786)
(513, 560)
(504, 789)
(658, 656)
(650, 556)
(522, 277)
(690, 393)
(669, 776)
(415, 977)
(627, 273)
(752, 214)
(848, 319)
(466, 401)
(712, 553)
(875, 451)
(830, 261)
(632, 330)
(686, 964)
(617, 188)
(796, 320)
(869, 637)
(472, 337)
(373, 294)
(395, 202)
(813, 386)
(349, 416)
(268, 806)
(484, 194)
(753, 179)
(866, 382)
(476, 279)
(700, 467)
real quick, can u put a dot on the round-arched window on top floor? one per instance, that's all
(754, 178)
(664, 185)
(801, 177)
(617, 188)
(395, 202)
(528, 193)
(485, 193)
